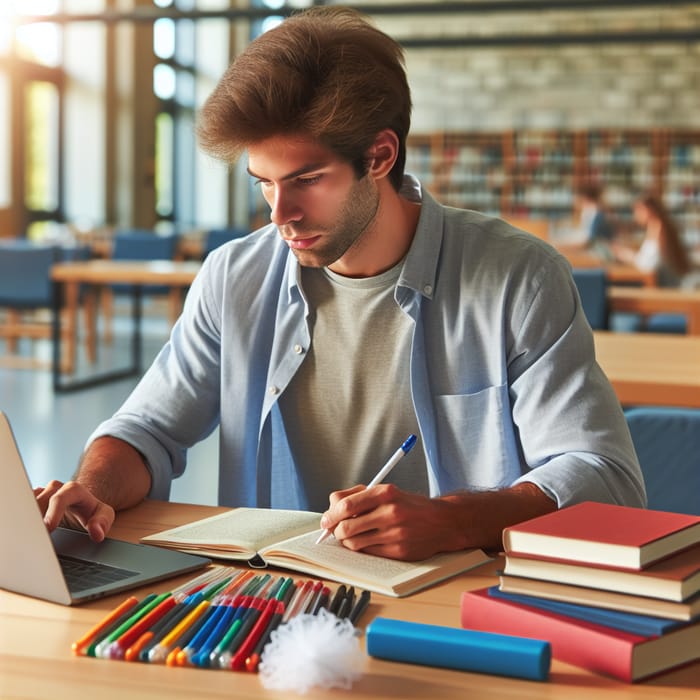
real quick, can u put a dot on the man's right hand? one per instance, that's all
(73, 505)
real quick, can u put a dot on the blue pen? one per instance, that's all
(382, 473)
(200, 656)
(217, 612)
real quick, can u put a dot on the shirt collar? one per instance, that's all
(420, 267)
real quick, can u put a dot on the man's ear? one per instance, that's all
(382, 154)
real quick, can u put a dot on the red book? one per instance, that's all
(602, 534)
(604, 650)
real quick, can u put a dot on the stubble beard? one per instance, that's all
(351, 227)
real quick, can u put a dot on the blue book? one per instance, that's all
(645, 625)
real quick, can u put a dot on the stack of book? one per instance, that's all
(615, 590)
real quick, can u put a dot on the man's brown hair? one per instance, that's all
(325, 73)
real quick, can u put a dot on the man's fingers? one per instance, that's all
(44, 493)
(337, 496)
(73, 502)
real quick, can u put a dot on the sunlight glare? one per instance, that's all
(38, 41)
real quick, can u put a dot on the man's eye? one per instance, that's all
(309, 180)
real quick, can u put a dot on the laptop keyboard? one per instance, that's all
(81, 575)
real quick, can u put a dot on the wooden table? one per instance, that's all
(617, 273)
(36, 659)
(653, 300)
(651, 368)
(94, 274)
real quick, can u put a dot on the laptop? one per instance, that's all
(66, 566)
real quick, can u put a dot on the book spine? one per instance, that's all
(588, 646)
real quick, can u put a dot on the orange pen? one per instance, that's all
(132, 653)
(104, 624)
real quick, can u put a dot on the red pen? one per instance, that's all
(239, 658)
(251, 663)
(121, 645)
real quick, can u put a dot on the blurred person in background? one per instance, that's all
(594, 224)
(662, 248)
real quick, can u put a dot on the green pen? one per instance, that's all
(102, 649)
(136, 612)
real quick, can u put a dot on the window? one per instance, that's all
(41, 147)
(30, 68)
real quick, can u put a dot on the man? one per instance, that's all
(365, 312)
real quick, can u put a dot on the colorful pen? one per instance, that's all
(382, 473)
(159, 653)
(134, 614)
(256, 632)
(117, 649)
(251, 663)
(222, 610)
(162, 628)
(116, 617)
(248, 621)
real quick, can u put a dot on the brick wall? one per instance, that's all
(572, 86)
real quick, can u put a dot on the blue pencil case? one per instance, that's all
(461, 649)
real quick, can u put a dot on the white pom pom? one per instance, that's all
(312, 650)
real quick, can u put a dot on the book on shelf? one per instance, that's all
(636, 623)
(609, 600)
(675, 578)
(604, 534)
(287, 539)
(595, 647)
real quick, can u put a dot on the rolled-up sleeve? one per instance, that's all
(573, 433)
(176, 402)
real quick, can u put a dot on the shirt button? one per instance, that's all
(428, 289)
(298, 349)
(273, 390)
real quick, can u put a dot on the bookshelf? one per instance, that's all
(545, 169)
(680, 173)
(534, 174)
(469, 171)
(627, 163)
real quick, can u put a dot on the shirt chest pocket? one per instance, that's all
(476, 440)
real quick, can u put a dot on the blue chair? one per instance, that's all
(218, 236)
(25, 289)
(592, 285)
(628, 322)
(140, 244)
(667, 441)
(666, 323)
(143, 245)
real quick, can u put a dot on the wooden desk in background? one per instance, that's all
(651, 368)
(617, 273)
(94, 274)
(36, 659)
(653, 300)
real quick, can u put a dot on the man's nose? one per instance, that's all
(284, 207)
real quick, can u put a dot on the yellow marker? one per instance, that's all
(160, 652)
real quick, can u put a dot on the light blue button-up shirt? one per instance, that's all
(504, 380)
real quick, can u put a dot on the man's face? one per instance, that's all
(321, 208)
